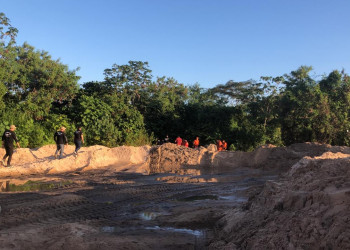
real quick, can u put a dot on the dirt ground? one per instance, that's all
(171, 197)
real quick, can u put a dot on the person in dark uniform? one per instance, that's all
(60, 139)
(166, 139)
(78, 140)
(7, 142)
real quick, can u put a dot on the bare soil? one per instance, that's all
(171, 197)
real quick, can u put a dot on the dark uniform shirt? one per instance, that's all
(8, 137)
(77, 135)
(60, 137)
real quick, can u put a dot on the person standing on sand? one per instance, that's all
(60, 139)
(166, 139)
(196, 143)
(78, 140)
(224, 145)
(7, 142)
(219, 145)
(178, 141)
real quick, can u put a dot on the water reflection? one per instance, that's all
(196, 233)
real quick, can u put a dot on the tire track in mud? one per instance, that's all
(103, 203)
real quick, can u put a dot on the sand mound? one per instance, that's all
(307, 209)
(171, 158)
(41, 160)
(159, 159)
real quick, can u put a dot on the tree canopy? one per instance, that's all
(133, 107)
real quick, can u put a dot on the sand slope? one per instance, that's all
(309, 208)
(41, 160)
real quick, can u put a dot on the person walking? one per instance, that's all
(78, 140)
(7, 142)
(60, 139)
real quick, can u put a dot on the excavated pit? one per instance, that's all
(172, 197)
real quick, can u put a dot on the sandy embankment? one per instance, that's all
(159, 159)
(308, 208)
(41, 160)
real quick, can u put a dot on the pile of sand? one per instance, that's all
(158, 159)
(307, 209)
(42, 161)
(172, 158)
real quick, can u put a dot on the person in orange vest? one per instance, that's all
(224, 145)
(178, 141)
(219, 145)
(196, 143)
(186, 144)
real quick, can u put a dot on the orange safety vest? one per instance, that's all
(219, 145)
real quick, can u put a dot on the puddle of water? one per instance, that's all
(233, 198)
(199, 197)
(196, 233)
(149, 215)
(107, 229)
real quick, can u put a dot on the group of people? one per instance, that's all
(182, 142)
(179, 141)
(221, 145)
(61, 140)
(9, 136)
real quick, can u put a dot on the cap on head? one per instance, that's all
(12, 127)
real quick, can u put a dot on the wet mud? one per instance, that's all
(99, 208)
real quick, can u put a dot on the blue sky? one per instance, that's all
(195, 41)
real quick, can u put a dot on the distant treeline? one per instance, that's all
(39, 94)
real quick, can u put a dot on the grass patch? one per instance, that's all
(36, 186)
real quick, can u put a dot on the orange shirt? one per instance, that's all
(219, 145)
(178, 141)
(196, 143)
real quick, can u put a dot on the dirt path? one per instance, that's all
(103, 209)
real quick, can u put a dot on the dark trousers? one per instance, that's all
(77, 145)
(9, 153)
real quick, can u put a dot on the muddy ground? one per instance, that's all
(172, 197)
(101, 209)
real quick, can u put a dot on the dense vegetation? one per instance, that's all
(131, 107)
